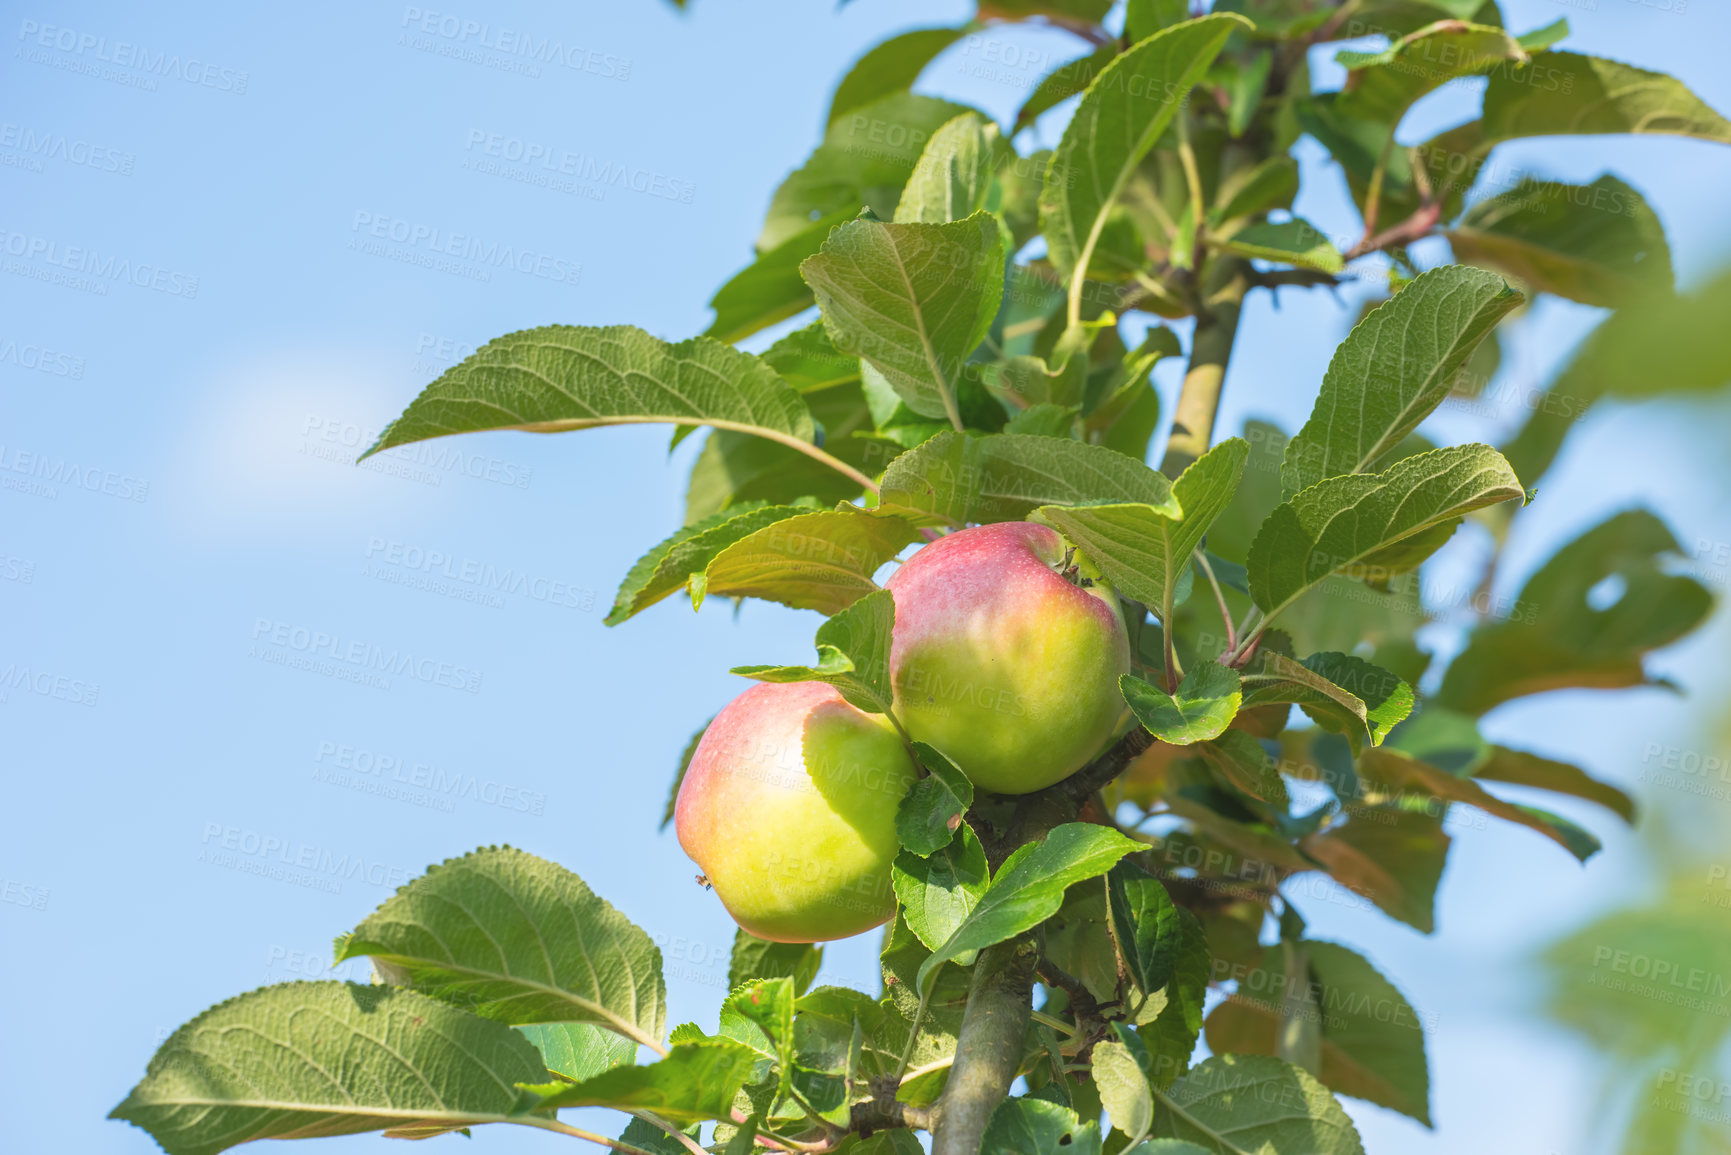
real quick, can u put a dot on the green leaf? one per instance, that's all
(928, 817)
(1242, 761)
(302, 1059)
(1340, 692)
(891, 67)
(1391, 856)
(1372, 1039)
(1519, 768)
(770, 289)
(816, 561)
(809, 362)
(1381, 86)
(1599, 244)
(1560, 638)
(914, 300)
(756, 958)
(938, 892)
(667, 811)
(865, 159)
(1044, 420)
(1658, 345)
(1143, 18)
(956, 479)
(1203, 706)
(1373, 525)
(953, 179)
(1124, 1089)
(1032, 381)
(1395, 367)
(665, 569)
(1400, 772)
(1064, 82)
(576, 1051)
(696, 1081)
(1290, 242)
(1143, 549)
(1145, 925)
(1122, 114)
(854, 648)
(1565, 92)
(1029, 888)
(1272, 184)
(1171, 1037)
(519, 939)
(759, 1013)
(1238, 1104)
(1037, 1127)
(562, 377)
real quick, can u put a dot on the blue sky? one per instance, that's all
(182, 535)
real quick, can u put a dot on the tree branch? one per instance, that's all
(988, 1047)
(1210, 348)
(1414, 228)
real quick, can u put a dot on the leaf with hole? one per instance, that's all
(1564, 634)
(928, 817)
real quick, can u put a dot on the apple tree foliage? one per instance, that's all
(973, 359)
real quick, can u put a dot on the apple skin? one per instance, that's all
(789, 806)
(1000, 662)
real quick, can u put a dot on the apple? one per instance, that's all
(789, 806)
(1006, 658)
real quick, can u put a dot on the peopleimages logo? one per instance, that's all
(354, 660)
(88, 51)
(464, 34)
(41, 146)
(91, 263)
(47, 471)
(40, 358)
(425, 244)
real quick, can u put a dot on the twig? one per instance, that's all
(1414, 228)
(547, 1124)
(679, 1136)
(1219, 600)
